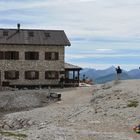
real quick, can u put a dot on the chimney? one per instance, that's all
(18, 26)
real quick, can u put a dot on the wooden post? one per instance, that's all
(78, 76)
(0, 82)
(73, 75)
(67, 74)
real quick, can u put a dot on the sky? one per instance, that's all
(103, 33)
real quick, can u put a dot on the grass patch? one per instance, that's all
(18, 135)
(133, 103)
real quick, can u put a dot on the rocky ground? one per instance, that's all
(99, 112)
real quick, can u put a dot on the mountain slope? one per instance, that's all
(135, 73)
(109, 74)
(93, 73)
(90, 73)
(111, 77)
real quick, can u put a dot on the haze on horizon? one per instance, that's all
(103, 33)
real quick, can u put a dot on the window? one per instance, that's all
(51, 75)
(11, 55)
(5, 33)
(31, 55)
(11, 75)
(47, 35)
(31, 75)
(51, 55)
(31, 34)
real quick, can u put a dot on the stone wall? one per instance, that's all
(40, 65)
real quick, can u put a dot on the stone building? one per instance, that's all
(32, 57)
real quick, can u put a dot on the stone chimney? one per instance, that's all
(18, 26)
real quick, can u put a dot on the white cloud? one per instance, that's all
(100, 66)
(86, 18)
(104, 50)
(87, 56)
(9, 5)
(98, 22)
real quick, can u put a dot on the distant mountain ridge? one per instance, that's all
(109, 74)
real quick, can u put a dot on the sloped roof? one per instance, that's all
(72, 67)
(33, 37)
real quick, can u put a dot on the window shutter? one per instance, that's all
(36, 56)
(26, 56)
(56, 56)
(1, 55)
(46, 56)
(46, 75)
(56, 75)
(7, 55)
(17, 75)
(37, 75)
(26, 74)
(17, 55)
(6, 74)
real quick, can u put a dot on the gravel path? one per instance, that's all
(97, 112)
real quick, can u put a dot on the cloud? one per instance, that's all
(104, 50)
(92, 18)
(104, 66)
(26, 4)
(105, 54)
(106, 28)
(105, 57)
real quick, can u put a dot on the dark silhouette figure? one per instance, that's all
(84, 79)
(62, 80)
(119, 71)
